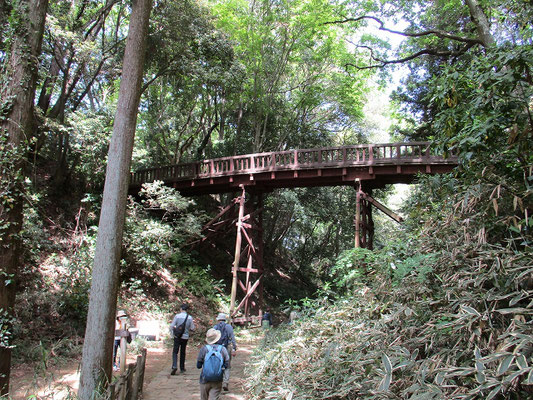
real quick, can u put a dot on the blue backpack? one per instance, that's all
(213, 362)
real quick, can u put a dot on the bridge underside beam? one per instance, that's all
(377, 176)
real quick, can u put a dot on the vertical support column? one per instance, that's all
(248, 261)
(369, 223)
(364, 224)
(358, 214)
(358, 220)
(260, 251)
(237, 258)
(123, 345)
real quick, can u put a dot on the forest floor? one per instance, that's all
(60, 382)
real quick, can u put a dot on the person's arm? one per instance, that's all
(225, 356)
(192, 327)
(232, 338)
(200, 359)
(173, 324)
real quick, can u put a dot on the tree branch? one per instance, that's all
(435, 32)
(430, 52)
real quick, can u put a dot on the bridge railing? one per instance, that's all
(359, 155)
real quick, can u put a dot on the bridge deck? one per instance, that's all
(375, 164)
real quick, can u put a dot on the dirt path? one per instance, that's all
(185, 386)
(61, 381)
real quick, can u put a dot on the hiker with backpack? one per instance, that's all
(227, 339)
(180, 327)
(213, 359)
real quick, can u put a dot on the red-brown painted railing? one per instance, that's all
(346, 156)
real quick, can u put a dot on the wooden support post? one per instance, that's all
(142, 366)
(129, 382)
(111, 391)
(137, 380)
(364, 224)
(237, 258)
(123, 344)
(121, 387)
(358, 215)
(260, 264)
(367, 241)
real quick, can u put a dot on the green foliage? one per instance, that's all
(352, 268)
(156, 231)
(419, 338)
(74, 283)
(90, 134)
(295, 93)
(11, 180)
(6, 327)
(201, 283)
(478, 102)
(155, 242)
(197, 78)
(419, 265)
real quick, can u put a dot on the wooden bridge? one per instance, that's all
(374, 164)
(365, 167)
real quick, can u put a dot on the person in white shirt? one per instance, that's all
(180, 343)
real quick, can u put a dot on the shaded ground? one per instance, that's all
(60, 382)
(50, 382)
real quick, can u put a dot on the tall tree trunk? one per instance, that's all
(4, 12)
(482, 23)
(46, 90)
(17, 98)
(97, 347)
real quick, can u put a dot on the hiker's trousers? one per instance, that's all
(180, 345)
(227, 370)
(210, 390)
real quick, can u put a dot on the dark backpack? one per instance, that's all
(224, 337)
(179, 329)
(213, 362)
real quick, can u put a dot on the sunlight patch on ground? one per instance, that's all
(157, 350)
(64, 388)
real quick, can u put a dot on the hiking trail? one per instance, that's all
(185, 386)
(61, 382)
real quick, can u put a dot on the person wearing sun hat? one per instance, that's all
(210, 390)
(227, 339)
(118, 327)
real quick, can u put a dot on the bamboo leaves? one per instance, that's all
(480, 368)
(387, 379)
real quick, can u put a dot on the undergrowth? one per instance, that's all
(445, 313)
(156, 275)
